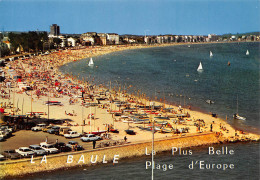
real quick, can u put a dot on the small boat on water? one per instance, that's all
(247, 52)
(210, 54)
(200, 68)
(236, 116)
(228, 63)
(91, 63)
(210, 101)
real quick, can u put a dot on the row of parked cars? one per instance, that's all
(39, 150)
(66, 132)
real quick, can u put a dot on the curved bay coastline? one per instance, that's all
(255, 128)
(193, 113)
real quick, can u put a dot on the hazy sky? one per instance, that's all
(198, 17)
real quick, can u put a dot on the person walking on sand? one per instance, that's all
(211, 128)
(125, 138)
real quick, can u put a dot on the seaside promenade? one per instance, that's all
(88, 107)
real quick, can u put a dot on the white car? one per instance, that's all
(38, 150)
(90, 137)
(72, 134)
(38, 127)
(3, 134)
(2, 157)
(49, 148)
(25, 151)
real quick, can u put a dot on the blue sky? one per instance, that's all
(196, 17)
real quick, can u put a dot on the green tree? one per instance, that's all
(5, 51)
(14, 40)
(57, 41)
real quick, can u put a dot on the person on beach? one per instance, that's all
(125, 138)
(211, 128)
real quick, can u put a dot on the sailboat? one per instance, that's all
(236, 116)
(210, 54)
(247, 52)
(200, 67)
(91, 63)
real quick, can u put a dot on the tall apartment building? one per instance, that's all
(55, 30)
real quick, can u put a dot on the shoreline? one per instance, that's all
(103, 117)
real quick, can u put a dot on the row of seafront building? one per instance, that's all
(56, 40)
(94, 38)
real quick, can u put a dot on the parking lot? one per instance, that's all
(24, 138)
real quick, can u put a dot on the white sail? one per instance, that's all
(247, 52)
(210, 54)
(91, 63)
(200, 67)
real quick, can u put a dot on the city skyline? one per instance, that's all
(199, 17)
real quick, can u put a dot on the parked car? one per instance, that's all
(45, 129)
(2, 138)
(61, 146)
(11, 154)
(72, 134)
(38, 150)
(49, 148)
(8, 131)
(54, 130)
(90, 137)
(3, 134)
(64, 130)
(2, 157)
(38, 127)
(25, 151)
(74, 145)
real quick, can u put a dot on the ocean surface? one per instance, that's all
(170, 73)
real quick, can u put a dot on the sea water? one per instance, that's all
(170, 73)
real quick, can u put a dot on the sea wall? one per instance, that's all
(60, 161)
